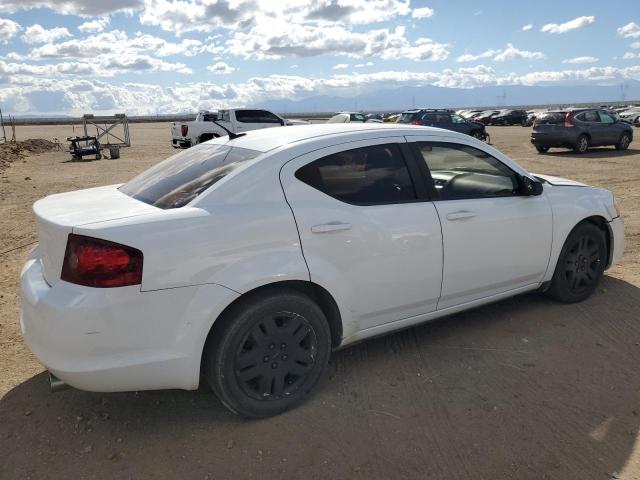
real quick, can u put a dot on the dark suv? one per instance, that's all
(444, 119)
(580, 129)
(509, 117)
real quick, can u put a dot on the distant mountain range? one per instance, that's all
(439, 97)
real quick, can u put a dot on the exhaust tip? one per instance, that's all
(56, 384)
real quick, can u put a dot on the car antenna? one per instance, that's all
(229, 132)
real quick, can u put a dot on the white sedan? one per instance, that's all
(246, 260)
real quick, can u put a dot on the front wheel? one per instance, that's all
(580, 265)
(268, 353)
(623, 143)
(542, 149)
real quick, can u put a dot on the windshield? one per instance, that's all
(179, 179)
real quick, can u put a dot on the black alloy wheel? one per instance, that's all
(267, 352)
(580, 265)
(275, 356)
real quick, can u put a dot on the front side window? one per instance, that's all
(179, 179)
(457, 119)
(357, 117)
(606, 118)
(460, 171)
(362, 176)
(224, 116)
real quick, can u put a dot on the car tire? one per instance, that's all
(542, 149)
(623, 142)
(268, 353)
(580, 265)
(582, 144)
(477, 134)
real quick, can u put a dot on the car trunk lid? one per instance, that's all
(57, 215)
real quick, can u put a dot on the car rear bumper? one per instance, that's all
(181, 143)
(118, 339)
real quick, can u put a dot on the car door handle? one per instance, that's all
(461, 215)
(330, 227)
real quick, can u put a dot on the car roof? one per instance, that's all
(267, 139)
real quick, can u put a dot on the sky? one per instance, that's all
(170, 56)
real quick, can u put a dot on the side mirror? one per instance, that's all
(530, 187)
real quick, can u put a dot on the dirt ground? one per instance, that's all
(522, 389)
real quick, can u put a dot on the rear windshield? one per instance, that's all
(179, 179)
(551, 118)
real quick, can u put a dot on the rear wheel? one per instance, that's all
(580, 265)
(542, 149)
(623, 142)
(477, 134)
(270, 352)
(582, 144)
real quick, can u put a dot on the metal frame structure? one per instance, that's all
(3, 136)
(105, 126)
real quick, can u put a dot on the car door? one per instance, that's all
(611, 131)
(459, 124)
(368, 232)
(590, 121)
(495, 239)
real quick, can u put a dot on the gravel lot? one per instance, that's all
(525, 388)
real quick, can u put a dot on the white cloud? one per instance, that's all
(580, 60)
(635, 45)
(340, 66)
(362, 65)
(94, 26)
(630, 30)
(182, 16)
(88, 8)
(528, 26)
(631, 56)
(467, 57)
(221, 68)
(8, 29)
(116, 43)
(512, 53)
(38, 34)
(423, 12)
(508, 53)
(272, 41)
(72, 94)
(579, 22)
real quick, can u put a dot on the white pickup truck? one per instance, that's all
(237, 120)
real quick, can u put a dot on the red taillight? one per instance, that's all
(568, 120)
(94, 262)
(417, 122)
(184, 129)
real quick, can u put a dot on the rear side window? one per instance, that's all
(179, 179)
(256, 116)
(408, 117)
(551, 118)
(362, 176)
